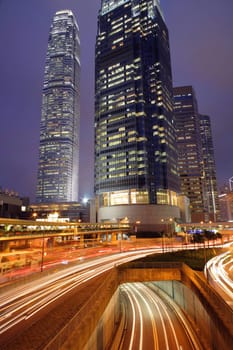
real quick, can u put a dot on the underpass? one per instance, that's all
(92, 312)
(97, 315)
(206, 311)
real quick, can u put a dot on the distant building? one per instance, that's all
(211, 191)
(135, 152)
(57, 179)
(226, 201)
(184, 205)
(13, 206)
(196, 161)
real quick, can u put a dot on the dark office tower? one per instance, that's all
(135, 153)
(190, 159)
(211, 192)
(59, 129)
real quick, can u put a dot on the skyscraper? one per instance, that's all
(135, 152)
(57, 179)
(195, 155)
(190, 161)
(211, 191)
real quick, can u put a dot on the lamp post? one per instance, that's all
(163, 247)
(168, 223)
(120, 242)
(34, 215)
(136, 226)
(42, 254)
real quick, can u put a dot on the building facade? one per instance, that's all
(135, 151)
(190, 159)
(13, 206)
(57, 179)
(195, 156)
(68, 211)
(226, 206)
(211, 190)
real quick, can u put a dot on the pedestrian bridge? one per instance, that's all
(14, 231)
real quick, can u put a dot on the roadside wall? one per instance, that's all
(95, 324)
(89, 329)
(192, 307)
(107, 326)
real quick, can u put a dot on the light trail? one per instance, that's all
(134, 301)
(216, 272)
(153, 324)
(22, 303)
(167, 304)
(160, 305)
(165, 327)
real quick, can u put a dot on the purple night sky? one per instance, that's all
(201, 43)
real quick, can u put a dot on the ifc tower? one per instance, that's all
(57, 179)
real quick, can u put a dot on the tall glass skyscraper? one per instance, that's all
(135, 152)
(190, 159)
(57, 179)
(211, 190)
(195, 156)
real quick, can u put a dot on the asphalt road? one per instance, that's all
(219, 273)
(154, 323)
(22, 305)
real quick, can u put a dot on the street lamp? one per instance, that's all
(171, 230)
(120, 241)
(168, 223)
(42, 254)
(163, 245)
(138, 222)
(34, 215)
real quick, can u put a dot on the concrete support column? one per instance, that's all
(6, 246)
(50, 242)
(81, 241)
(113, 237)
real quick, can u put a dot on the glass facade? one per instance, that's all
(190, 158)
(211, 190)
(57, 179)
(135, 153)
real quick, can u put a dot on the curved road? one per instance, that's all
(152, 323)
(21, 304)
(219, 273)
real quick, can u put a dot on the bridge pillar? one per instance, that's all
(50, 242)
(81, 241)
(93, 240)
(6, 246)
(113, 237)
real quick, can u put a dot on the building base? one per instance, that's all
(142, 217)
